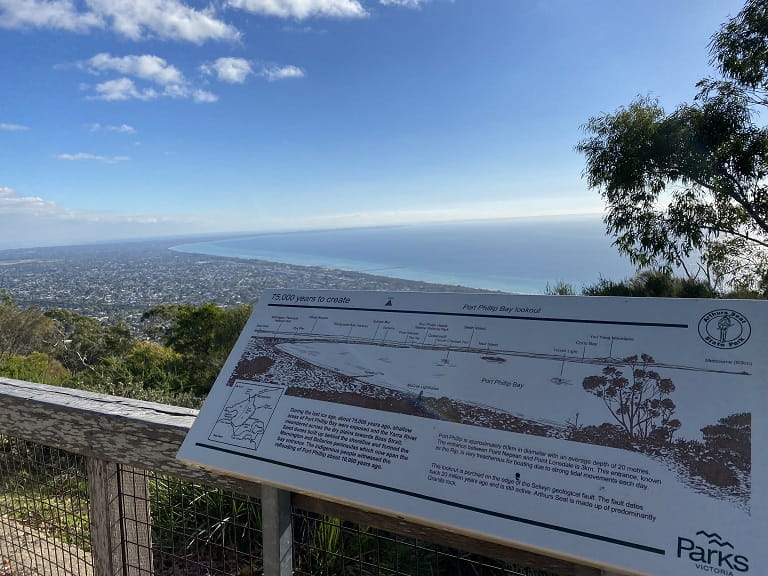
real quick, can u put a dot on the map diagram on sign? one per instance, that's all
(246, 414)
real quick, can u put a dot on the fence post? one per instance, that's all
(277, 531)
(104, 496)
(136, 521)
(120, 523)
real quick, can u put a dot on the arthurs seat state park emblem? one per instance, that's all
(724, 328)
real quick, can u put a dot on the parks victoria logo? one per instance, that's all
(710, 553)
(724, 328)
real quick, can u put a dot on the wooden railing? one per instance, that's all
(118, 436)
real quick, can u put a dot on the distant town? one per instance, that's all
(119, 282)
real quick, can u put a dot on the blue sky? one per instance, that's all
(124, 118)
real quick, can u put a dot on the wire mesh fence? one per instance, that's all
(44, 527)
(168, 526)
(203, 530)
(328, 546)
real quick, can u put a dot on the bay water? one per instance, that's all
(521, 255)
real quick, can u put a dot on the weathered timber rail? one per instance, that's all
(119, 436)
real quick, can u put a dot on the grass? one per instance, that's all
(214, 526)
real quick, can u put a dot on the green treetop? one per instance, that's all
(690, 185)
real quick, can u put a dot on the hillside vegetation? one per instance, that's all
(175, 360)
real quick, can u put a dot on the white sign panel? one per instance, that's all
(626, 433)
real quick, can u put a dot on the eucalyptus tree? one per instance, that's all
(687, 189)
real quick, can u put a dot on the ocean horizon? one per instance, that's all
(522, 255)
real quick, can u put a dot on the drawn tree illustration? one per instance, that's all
(639, 402)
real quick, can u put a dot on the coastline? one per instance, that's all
(522, 256)
(402, 273)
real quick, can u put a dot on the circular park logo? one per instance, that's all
(724, 329)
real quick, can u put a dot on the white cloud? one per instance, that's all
(33, 221)
(123, 89)
(146, 66)
(94, 157)
(230, 70)
(169, 80)
(273, 73)
(57, 14)
(203, 96)
(134, 19)
(237, 70)
(305, 29)
(301, 9)
(406, 3)
(170, 19)
(12, 127)
(12, 203)
(121, 129)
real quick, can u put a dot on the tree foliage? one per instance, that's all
(740, 47)
(23, 331)
(202, 336)
(83, 343)
(651, 284)
(34, 367)
(179, 364)
(689, 185)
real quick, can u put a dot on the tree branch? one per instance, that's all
(738, 234)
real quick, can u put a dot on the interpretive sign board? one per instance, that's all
(624, 433)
